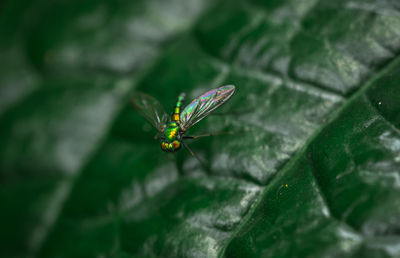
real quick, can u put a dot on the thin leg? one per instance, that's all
(171, 157)
(241, 112)
(206, 135)
(192, 153)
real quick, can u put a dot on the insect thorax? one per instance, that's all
(171, 132)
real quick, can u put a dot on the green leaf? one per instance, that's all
(312, 169)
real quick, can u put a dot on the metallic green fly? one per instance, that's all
(171, 130)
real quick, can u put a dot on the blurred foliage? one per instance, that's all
(313, 169)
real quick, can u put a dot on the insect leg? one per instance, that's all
(171, 157)
(193, 154)
(238, 112)
(205, 135)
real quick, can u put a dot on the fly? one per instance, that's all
(172, 129)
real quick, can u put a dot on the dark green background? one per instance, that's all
(313, 169)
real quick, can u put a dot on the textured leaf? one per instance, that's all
(312, 169)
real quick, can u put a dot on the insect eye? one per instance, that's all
(164, 146)
(176, 145)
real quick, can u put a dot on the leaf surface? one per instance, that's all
(311, 170)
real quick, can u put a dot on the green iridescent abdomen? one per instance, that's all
(171, 132)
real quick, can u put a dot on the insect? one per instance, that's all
(172, 129)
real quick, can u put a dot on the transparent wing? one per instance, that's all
(204, 105)
(151, 109)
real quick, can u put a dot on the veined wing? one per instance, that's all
(151, 109)
(204, 105)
